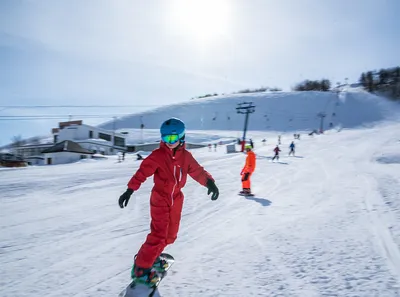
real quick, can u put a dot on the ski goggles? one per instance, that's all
(171, 138)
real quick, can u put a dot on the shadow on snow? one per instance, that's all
(263, 157)
(270, 158)
(262, 201)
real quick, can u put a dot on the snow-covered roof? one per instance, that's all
(67, 146)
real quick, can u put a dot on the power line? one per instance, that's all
(55, 117)
(76, 106)
(63, 115)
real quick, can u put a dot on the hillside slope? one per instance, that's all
(281, 111)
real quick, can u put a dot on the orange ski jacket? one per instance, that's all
(250, 163)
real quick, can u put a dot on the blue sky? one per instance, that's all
(150, 53)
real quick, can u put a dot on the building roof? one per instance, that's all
(69, 123)
(10, 157)
(34, 157)
(38, 145)
(67, 146)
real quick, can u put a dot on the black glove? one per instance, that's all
(124, 198)
(245, 176)
(212, 188)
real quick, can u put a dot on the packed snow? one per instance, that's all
(323, 223)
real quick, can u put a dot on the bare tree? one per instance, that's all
(35, 140)
(16, 141)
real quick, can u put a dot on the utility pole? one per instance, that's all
(114, 126)
(245, 108)
(322, 115)
(229, 121)
(141, 129)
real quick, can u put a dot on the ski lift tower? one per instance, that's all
(245, 108)
(141, 129)
(321, 115)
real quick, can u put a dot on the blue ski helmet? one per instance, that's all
(172, 126)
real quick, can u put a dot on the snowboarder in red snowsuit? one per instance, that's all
(170, 164)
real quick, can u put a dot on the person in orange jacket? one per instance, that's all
(248, 170)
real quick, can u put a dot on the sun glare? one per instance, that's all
(204, 21)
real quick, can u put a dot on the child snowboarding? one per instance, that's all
(248, 170)
(170, 164)
(276, 150)
(292, 146)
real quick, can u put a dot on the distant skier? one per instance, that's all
(276, 151)
(292, 147)
(279, 139)
(169, 164)
(251, 143)
(248, 170)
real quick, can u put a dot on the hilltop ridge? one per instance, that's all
(276, 111)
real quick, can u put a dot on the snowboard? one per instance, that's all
(246, 195)
(141, 290)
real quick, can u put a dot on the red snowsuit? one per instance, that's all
(170, 171)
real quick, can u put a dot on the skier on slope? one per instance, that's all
(170, 164)
(292, 146)
(251, 143)
(276, 151)
(248, 170)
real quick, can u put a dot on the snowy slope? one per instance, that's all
(274, 112)
(324, 223)
(281, 111)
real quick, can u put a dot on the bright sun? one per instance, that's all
(202, 20)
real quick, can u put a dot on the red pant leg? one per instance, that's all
(165, 219)
(156, 239)
(175, 219)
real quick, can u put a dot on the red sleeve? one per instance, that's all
(147, 168)
(197, 172)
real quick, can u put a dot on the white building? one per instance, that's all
(65, 152)
(95, 139)
(31, 150)
(10, 160)
(35, 160)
